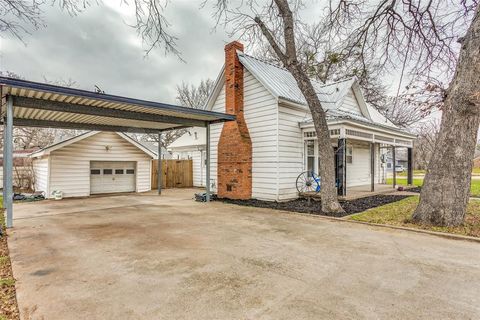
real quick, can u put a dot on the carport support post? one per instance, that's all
(207, 171)
(8, 162)
(159, 164)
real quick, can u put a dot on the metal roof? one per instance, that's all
(46, 105)
(282, 84)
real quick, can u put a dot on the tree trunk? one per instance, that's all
(328, 192)
(446, 189)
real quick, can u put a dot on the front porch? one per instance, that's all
(361, 156)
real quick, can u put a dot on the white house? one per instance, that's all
(191, 145)
(92, 163)
(273, 139)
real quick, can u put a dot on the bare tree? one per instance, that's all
(188, 95)
(277, 24)
(446, 189)
(21, 17)
(430, 39)
(424, 146)
(402, 111)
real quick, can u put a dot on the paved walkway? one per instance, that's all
(168, 257)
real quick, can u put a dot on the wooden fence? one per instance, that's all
(176, 174)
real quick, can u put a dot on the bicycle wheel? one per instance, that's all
(308, 182)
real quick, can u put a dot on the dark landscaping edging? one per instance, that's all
(313, 207)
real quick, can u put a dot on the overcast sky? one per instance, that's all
(98, 47)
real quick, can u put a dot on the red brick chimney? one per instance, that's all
(234, 147)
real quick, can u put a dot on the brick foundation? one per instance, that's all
(235, 145)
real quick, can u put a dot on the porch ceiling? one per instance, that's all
(44, 105)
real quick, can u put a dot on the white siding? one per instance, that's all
(215, 131)
(291, 148)
(260, 110)
(350, 103)
(261, 116)
(40, 171)
(358, 172)
(70, 166)
(144, 175)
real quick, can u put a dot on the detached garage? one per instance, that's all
(93, 163)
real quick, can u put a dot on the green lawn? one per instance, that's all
(400, 214)
(415, 172)
(474, 187)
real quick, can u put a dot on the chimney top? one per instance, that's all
(234, 45)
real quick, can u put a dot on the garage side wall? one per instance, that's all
(70, 165)
(40, 172)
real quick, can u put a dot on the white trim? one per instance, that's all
(138, 145)
(47, 150)
(217, 88)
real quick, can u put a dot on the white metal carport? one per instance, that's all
(33, 104)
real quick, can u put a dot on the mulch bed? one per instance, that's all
(8, 298)
(314, 207)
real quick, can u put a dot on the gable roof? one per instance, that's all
(283, 86)
(194, 137)
(48, 149)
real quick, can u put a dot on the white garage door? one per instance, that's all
(112, 176)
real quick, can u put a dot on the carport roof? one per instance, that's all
(45, 105)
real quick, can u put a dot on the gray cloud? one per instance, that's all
(97, 47)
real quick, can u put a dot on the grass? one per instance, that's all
(474, 186)
(8, 305)
(475, 172)
(400, 214)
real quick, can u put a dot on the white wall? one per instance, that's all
(40, 170)
(70, 165)
(260, 111)
(350, 103)
(291, 149)
(358, 172)
(261, 116)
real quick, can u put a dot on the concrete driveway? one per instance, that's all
(168, 257)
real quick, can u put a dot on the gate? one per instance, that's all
(176, 174)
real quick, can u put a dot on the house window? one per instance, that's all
(95, 171)
(349, 154)
(310, 152)
(118, 171)
(107, 171)
(130, 171)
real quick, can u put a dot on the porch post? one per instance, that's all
(8, 161)
(342, 167)
(207, 171)
(159, 163)
(372, 166)
(393, 167)
(410, 166)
